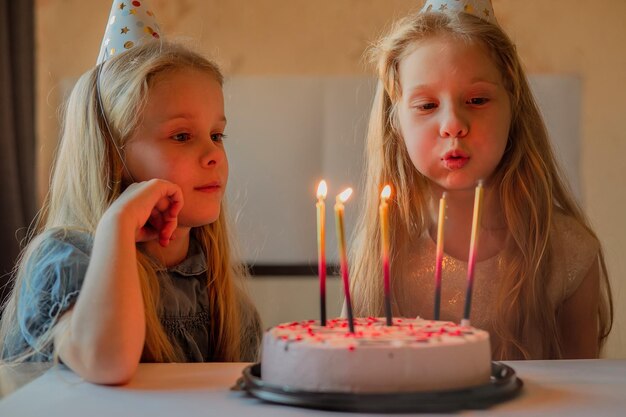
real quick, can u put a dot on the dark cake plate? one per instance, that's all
(504, 384)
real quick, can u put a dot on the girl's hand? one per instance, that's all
(151, 207)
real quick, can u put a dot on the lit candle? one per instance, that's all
(471, 262)
(341, 241)
(383, 211)
(439, 259)
(321, 247)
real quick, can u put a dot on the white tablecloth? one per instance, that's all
(551, 388)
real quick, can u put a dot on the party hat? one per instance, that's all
(130, 23)
(479, 8)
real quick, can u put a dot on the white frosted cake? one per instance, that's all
(412, 355)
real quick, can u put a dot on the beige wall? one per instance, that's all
(585, 38)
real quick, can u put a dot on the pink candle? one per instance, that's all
(341, 241)
(471, 262)
(321, 247)
(439, 258)
(383, 211)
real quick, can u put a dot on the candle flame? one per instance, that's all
(345, 195)
(386, 192)
(322, 190)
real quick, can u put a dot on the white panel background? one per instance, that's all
(286, 133)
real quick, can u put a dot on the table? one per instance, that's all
(573, 388)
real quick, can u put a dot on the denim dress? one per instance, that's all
(56, 272)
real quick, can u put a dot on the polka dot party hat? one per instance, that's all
(479, 8)
(130, 23)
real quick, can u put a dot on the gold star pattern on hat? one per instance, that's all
(130, 23)
(479, 8)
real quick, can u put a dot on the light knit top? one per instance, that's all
(574, 252)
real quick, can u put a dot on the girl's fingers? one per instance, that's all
(171, 194)
(147, 234)
(155, 204)
(168, 206)
(166, 233)
(162, 205)
(175, 208)
(156, 220)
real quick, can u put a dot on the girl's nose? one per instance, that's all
(453, 124)
(213, 153)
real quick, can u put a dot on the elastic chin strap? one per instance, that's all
(106, 120)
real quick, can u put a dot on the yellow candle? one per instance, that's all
(439, 258)
(343, 256)
(471, 262)
(321, 247)
(383, 211)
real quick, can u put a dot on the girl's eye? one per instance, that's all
(181, 137)
(478, 101)
(425, 106)
(218, 137)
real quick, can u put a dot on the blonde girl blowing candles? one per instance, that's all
(132, 258)
(453, 107)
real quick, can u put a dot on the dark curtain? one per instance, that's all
(17, 130)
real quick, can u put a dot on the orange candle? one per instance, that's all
(321, 247)
(383, 211)
(343, 256)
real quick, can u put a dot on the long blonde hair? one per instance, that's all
(88, 176)
(527, 178)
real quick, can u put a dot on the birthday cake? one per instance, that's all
(411, 355)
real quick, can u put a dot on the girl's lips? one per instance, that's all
(209, 188)
(455, 159)
(455, 163)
